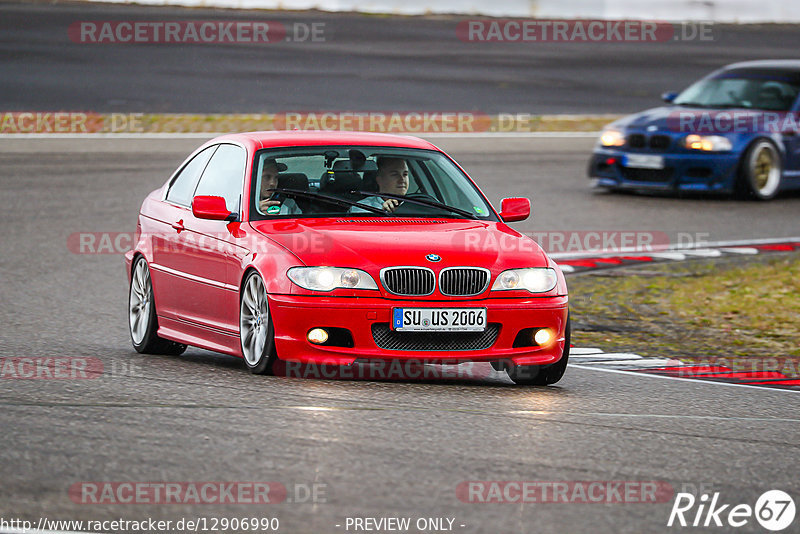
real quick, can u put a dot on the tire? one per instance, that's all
(539, 375)
(142, 316)
(256, 333)
(760, 172)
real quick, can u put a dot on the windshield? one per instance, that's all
(362, 181)
(743, 89)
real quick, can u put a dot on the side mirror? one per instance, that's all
(515, 209)
(213, 208)
(669, 96)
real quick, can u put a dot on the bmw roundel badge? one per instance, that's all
(433, 257)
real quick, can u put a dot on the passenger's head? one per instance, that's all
(392, 176)
(269, 175)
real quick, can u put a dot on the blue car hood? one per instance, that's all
(651, 117)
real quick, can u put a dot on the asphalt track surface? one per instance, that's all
(380, 448)
(365, 63)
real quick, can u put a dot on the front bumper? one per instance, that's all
(700, 172)
(293, 316)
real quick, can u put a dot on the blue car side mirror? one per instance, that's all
(669, 96)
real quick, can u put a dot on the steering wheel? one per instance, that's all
(417, 209)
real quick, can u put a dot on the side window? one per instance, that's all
(181, 189)
(224, 175)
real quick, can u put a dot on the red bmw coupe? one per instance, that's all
(335, 248)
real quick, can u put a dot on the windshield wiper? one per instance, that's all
(715, 106)
(424, 202)
(732, 106)
(329, 199)
(692, 104)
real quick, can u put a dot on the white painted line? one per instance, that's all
(657, 416)
(692, 380)
(209, 135)
(579, 350)
(621, 356)
(154, 135)
(677, 256)
(740, 250)
(567, 268)
(751, 242)
(468, 135)
(644, 363)
(737, 246)
(599, 360)
(703, 252)
(622, 251)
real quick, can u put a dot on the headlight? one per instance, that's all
(330, 278)
(612, 138)
(707, 143)
(535, 280)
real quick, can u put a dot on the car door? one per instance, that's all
(791, 139)
(165, 229)
(209, 296)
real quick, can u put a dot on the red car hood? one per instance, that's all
(372, 244)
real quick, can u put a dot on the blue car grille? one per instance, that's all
(647, 175)
(659, 142)
(653, 142)
(636, 141)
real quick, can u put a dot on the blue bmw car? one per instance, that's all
(736, 131)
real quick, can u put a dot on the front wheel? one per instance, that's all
(256, 332)
(539, 375)
(142, 321)
(760, 171)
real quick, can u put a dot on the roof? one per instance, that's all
(777, 64)
(324, 138)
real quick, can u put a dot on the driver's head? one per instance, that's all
(392, 176)
(269, 176)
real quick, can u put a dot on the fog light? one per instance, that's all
(543, 336)
(317, 336)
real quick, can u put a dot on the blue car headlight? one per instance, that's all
(707, 143)
(612, 137)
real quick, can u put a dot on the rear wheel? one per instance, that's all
(760, 172)
(142, 320)
(539, 375)
(256, 332)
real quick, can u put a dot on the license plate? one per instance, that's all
(439, 319)
(643, 161)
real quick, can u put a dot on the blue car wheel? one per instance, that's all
(760, 174)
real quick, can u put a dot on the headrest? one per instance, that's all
(340, 181)
(293, 180)
(350, 165)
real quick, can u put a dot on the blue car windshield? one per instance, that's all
(740, 90)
